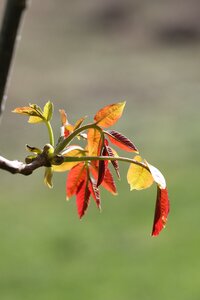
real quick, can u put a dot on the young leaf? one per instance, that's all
(66, 128)
(161, 211)
(63, 116)
(34, 120)
(48, 111)
(33, 149)
(82, 197)
(75, 176)
(79, 122)
(112, 153)
(95, 192)
(109, 115)
(48, 177)
(115, 164)
(102, 167)
(108, 181)
(139, 177)
(94, 139)
(33, 111)
(121, 141)
(157, 176)
(26, 110)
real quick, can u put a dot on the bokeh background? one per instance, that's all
(83, 55)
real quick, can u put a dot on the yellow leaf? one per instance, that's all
(109, 115)
(94, 139)
(139, 177)
(34, 120)
(73, 151)
(79, 122)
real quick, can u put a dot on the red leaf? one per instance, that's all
(82, 197)
(121, 141)
(108, 181)
(75, 176)
(95, 192)
(161, 211)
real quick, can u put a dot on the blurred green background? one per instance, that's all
(83, 55)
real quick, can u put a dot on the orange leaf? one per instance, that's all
(161, 211)
(75, 177)
(63, 116)
(94, 140)
(110, 114)
(26, 110)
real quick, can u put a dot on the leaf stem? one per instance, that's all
(92, 158)
(50, 131)
(67, 140)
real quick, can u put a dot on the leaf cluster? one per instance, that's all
(89, 161)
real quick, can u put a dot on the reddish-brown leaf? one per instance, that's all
(82, 197)
(75, 176)
(95, 193)
(121, 141)
(102, 165)
(161, 211)
(101, 172)
(114, 162)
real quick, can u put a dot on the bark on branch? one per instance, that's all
(15, 166)
(8, 36)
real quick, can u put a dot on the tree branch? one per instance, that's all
(15, 166)
(8, 36)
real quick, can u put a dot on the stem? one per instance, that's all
(15, 166)
(8, 37)
(50, 131)
(92, 158)
(66, 141)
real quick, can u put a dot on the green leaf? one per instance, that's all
(48, 111)
(48, 177)
(33, 149)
